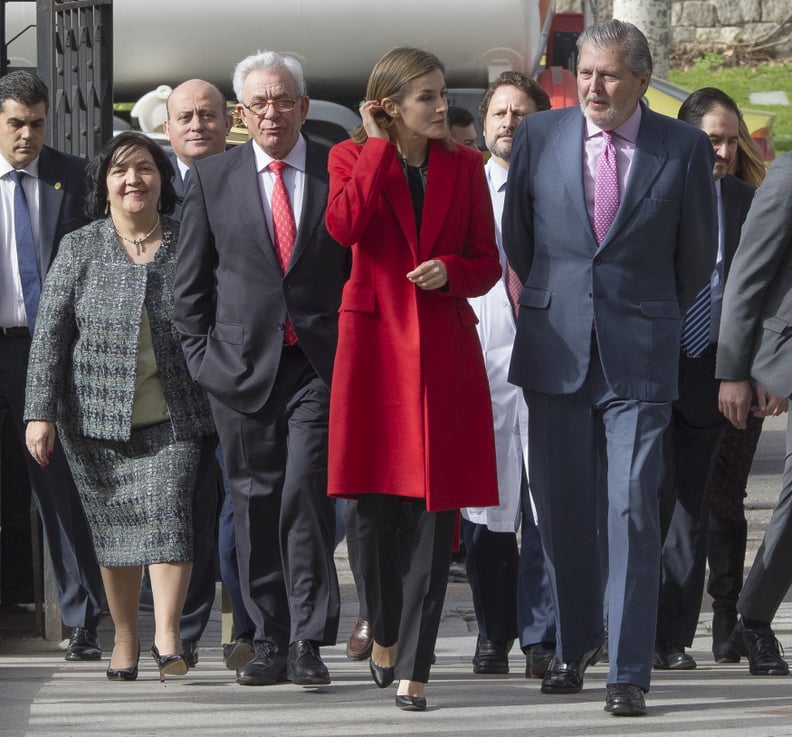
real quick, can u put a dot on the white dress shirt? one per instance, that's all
(12, 300)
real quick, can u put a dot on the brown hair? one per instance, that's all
(390, 78)
(748, 164)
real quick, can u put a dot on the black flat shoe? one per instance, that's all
(383, 677)
(173, 665)
(124, 674)
(411, 703)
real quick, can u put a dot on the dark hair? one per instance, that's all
(702, 101)
(522, 82)
(459, 116)
(96, 172)
(23, 87)
(625, 37)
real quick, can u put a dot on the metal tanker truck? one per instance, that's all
(163, 42)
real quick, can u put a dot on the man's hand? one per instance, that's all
(734, 401)
(769, 404)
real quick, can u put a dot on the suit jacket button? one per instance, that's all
(598, 260)
(281, 326)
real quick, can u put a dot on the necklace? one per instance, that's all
(137, 242)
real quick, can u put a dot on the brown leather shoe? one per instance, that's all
(359, 644)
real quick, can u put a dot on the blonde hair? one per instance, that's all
(748, 164)
(391, 77)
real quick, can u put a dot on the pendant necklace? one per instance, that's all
(137, 242)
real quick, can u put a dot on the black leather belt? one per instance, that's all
(16, 332)
(709, 351)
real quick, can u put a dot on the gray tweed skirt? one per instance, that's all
(137, 494)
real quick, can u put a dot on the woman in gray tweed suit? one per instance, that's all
(106, 365)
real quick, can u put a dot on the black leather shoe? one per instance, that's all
(190, 652)
(625, 700)
(83, 645)
(304, 665)
(668, 656)
(537, 659)
(567, 677)
(723, 624)
(265, 669)
(411, 703)
(238, 652)
(759, 644)
(360, 642)
(383, 677)
(492, 657)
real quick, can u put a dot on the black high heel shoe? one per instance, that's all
(124, 674)
(411, 703)
(383, 677)
(173, 665)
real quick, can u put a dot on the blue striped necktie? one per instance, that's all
(696, 327)
(26, 251)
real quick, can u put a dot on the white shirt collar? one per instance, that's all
(295, 158)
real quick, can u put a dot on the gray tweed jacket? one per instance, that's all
(83, 359)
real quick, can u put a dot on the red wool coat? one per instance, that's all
(410, 410)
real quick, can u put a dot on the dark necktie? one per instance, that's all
(26, 251)
(606, 188)
(285, 231)
(696, 327)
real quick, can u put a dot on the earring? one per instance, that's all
(107, 208)
(159, 205)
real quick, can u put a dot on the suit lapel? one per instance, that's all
(243, 182)
(568, 145)
(397, 192)
(649, 157)
(50, 202)
(314, 198)
(437, 201)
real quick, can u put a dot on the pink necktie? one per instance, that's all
(513, 287)
(606, 188)
(285, 231)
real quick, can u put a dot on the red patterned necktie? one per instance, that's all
(606, 188)
(285, 232)
(513, 287)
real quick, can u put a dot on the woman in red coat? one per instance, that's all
(411, 431)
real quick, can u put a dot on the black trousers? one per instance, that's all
(74, 566)
(405, 552)
(690, 446)
(276, 466)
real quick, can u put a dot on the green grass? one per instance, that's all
(738, 81)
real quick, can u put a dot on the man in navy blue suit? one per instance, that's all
(609, 222)
(54, 192)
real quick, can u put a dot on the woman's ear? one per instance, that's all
(390, 107)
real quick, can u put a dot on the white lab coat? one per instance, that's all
(496, 331)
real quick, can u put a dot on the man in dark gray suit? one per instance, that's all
(54, 193)
(197, 126)
(755, 360)
(609, 222)
(259, 330)
(693, 436)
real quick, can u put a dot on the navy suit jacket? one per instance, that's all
(61, 201)
(629, 292)
(231, 297)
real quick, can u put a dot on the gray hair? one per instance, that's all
(268, 61)
(627, 38)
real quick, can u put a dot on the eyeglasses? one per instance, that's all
(260, 107)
